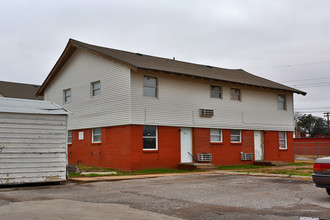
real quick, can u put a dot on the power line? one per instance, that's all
(314, 108)
(299, 80)
(292, 65)
(306, 85)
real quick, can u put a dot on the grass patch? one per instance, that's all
(239, 167)
(291, 172)
(85, 168)
(74, 175)
(161, 170)
(300, 164)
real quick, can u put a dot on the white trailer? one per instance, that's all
(33, 141)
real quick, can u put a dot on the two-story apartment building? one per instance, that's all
(133, 111)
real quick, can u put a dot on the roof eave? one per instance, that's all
(65, 56)
(70, 48)
(227, 81)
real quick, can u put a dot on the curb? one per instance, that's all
(130, 177)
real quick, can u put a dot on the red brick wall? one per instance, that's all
(122, 148)
(272, 151)
(167, 155)
(112, 152)
(224, 153)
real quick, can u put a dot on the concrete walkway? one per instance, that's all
(220, 172)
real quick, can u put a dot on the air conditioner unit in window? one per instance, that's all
(204, 157)
(246, 156)
(206, 112)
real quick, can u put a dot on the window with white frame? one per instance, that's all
(281, 102)
(235, 94)
(150, 86)
(235, 136)
(96, 88)
(69, 137)
(96, 135)
(67, 95)
(216, 92)
(215, 135)
(282, 140)
(150, 138)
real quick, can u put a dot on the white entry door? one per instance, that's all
(186, 145)
(258, 145)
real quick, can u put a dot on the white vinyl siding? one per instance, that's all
(110, 109)
(235, 136)
(282, 140)
(180, 98)
(215, 135)
(33, 148)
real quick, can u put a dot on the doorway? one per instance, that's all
(186, 145)
(259, 145)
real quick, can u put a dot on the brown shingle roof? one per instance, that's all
(19, 90)
(136, 61)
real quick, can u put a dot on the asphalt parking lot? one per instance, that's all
(199, 196)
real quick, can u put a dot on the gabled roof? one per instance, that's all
(137, 61)
(11, 105)
(19, 90)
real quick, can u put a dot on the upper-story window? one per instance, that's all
(235, 94)
(281, 102)
(96, 135)
(67, 95)
(235, 136)
(96, 88)
(216, 92)
(215, 135)
(282, 140)
(150, 86)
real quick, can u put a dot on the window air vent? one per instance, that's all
(204, 157)
(205, 112)
(246, 156)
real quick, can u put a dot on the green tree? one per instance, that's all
(312, 125)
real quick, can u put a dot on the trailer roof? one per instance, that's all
(13, 105)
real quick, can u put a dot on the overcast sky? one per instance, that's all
(287, 41)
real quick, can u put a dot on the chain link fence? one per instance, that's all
(311, 150)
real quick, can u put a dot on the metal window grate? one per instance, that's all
(206, 112)
(246, 156)
(204, 157)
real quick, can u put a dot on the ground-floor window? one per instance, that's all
(69, 137)
(96, 135)
(150, 138)
(282, 140)
(235, 136)
(215, 135)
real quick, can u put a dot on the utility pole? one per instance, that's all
(327, 115)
